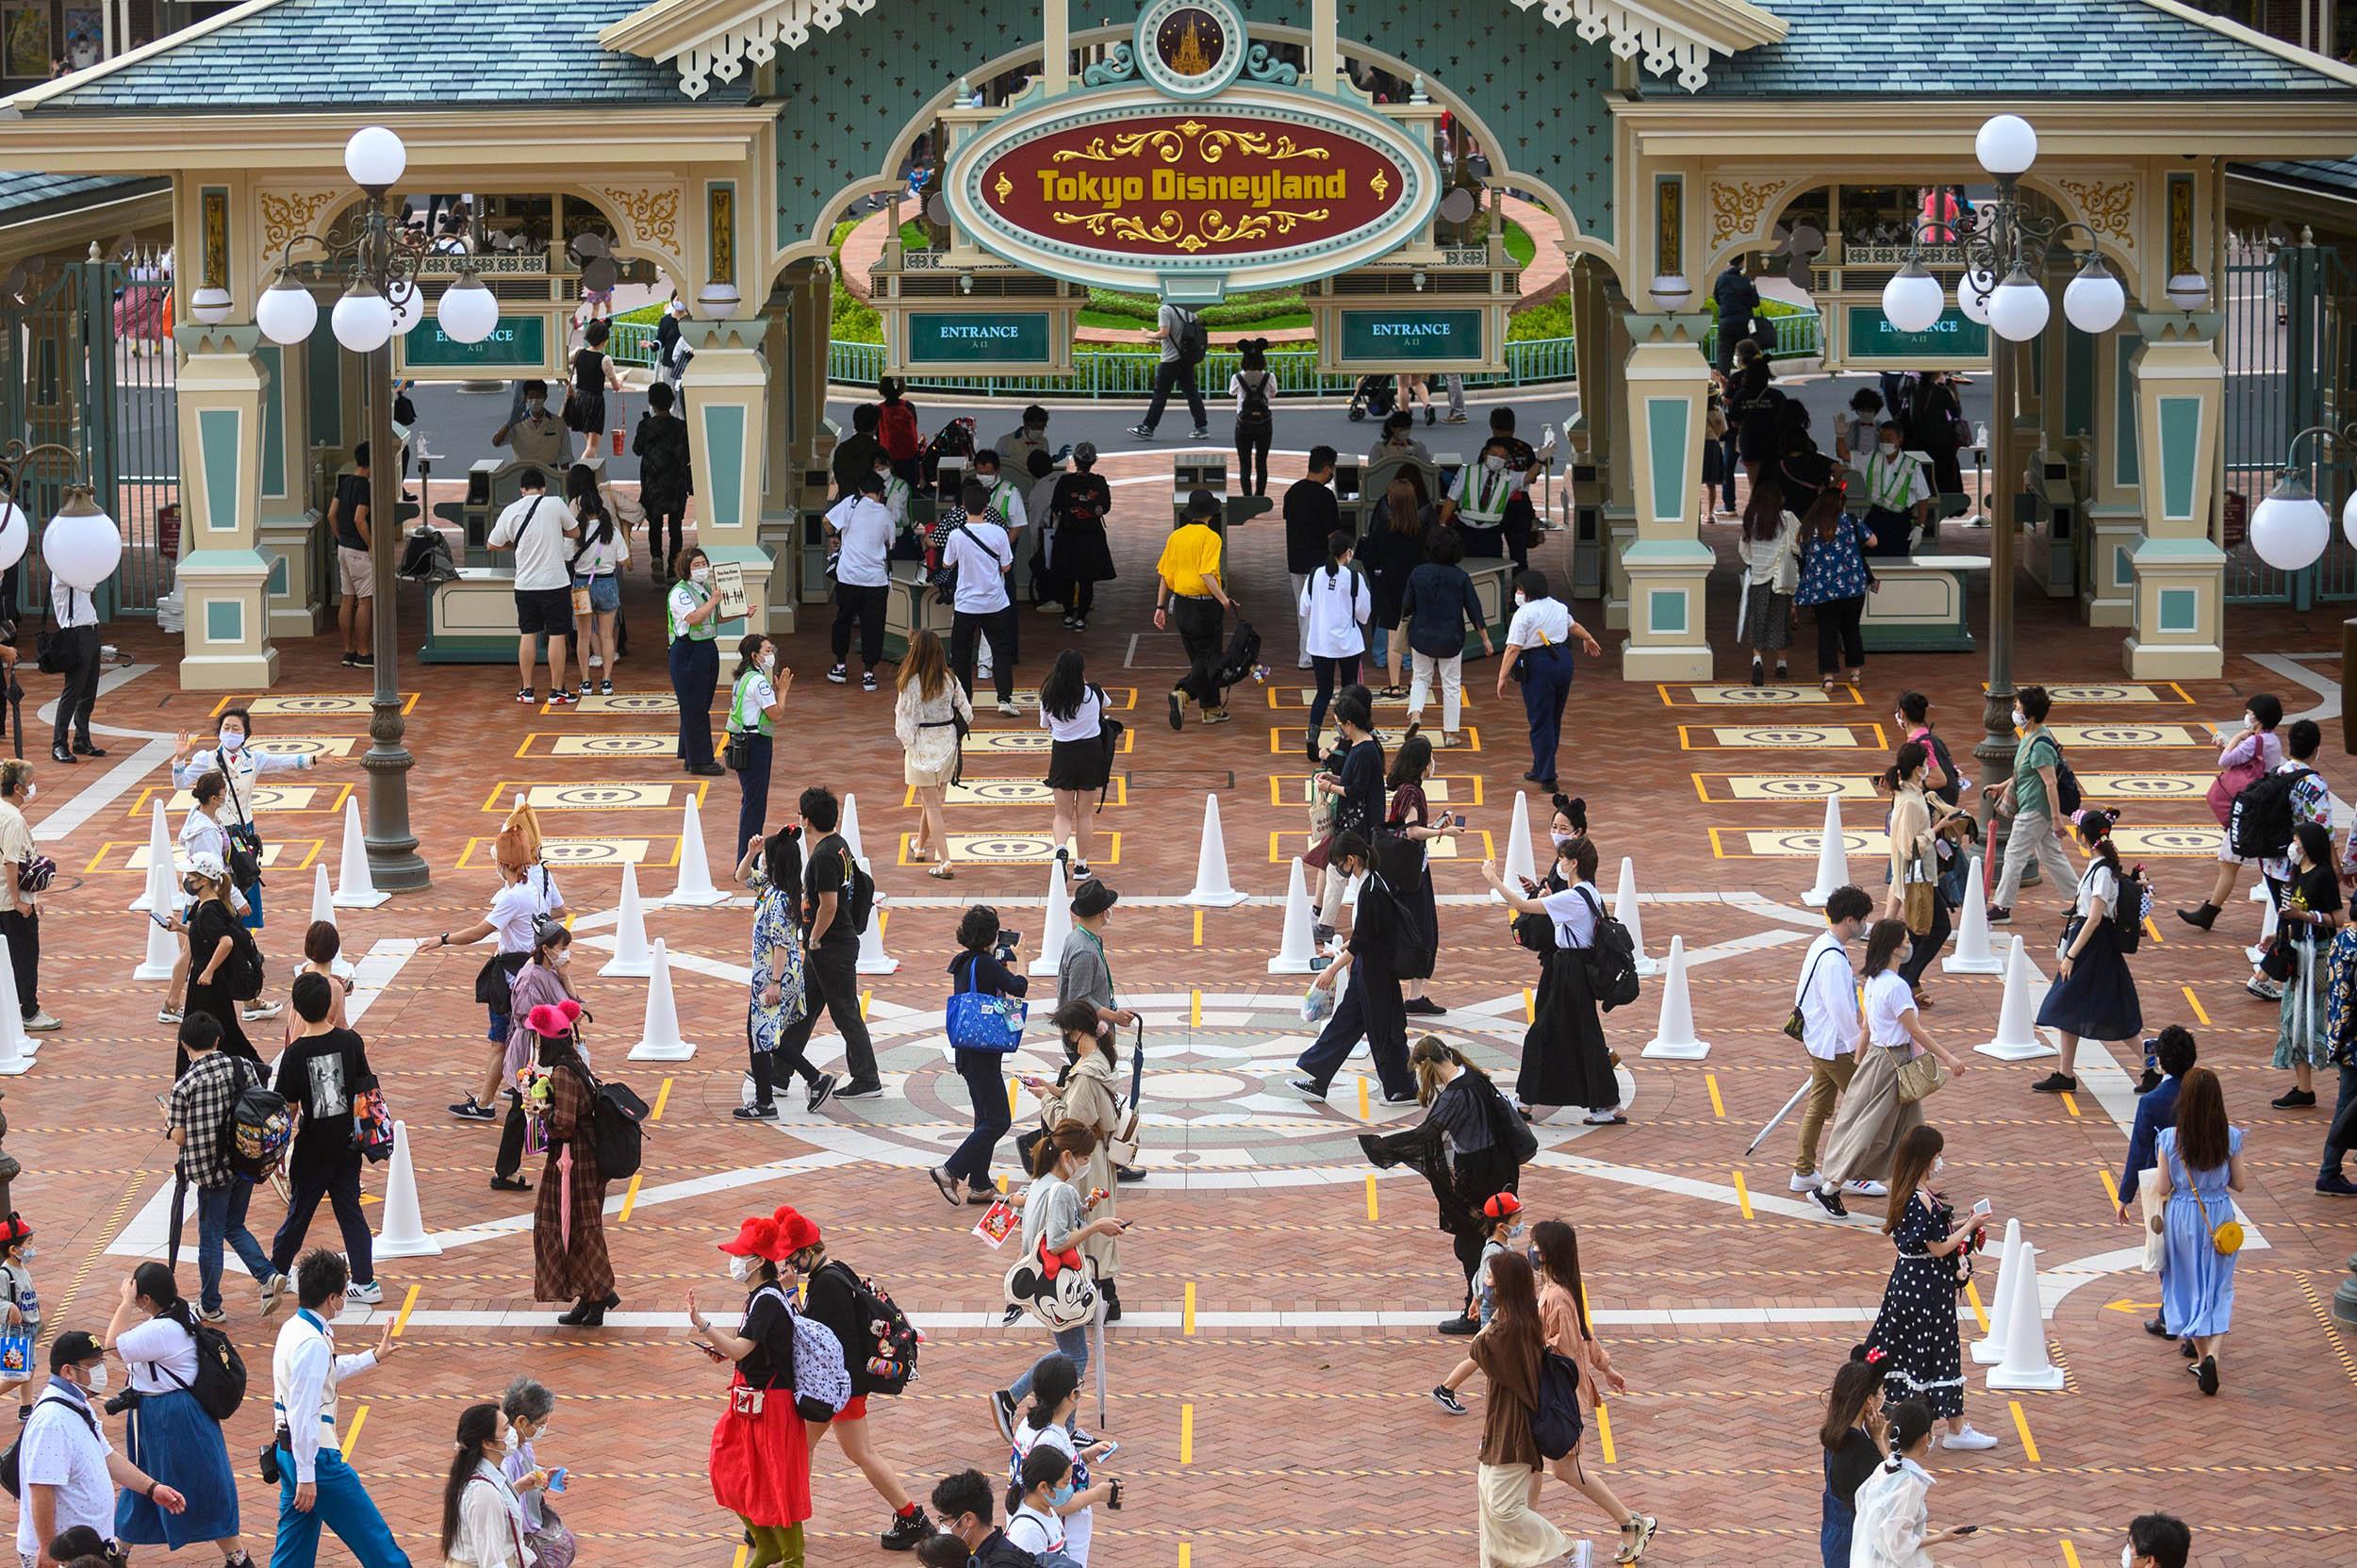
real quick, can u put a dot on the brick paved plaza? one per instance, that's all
(1267, 1385)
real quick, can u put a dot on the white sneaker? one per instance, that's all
(368, 1294)
(1808, 1183)
(42, 1023)
(1866, 1189)
(272, 1292)
(257, 1013)
(1968, 1439)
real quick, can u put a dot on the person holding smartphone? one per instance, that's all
(1409, 820)
(1915, 1340)
(1894, 1527)
(983, 963)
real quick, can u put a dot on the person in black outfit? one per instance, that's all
(1077, 509)
(1311, 517)
(1738, 299)
(1932, 426)
(965, 1176)
(214, 935)
(1753, 404)
(323, 1071)
(1803, 473)
(665, 475)
(76, 615)
(831, 964)
(1390, 551)
(855, 454)
(1852, 1437)
(1371, 1003)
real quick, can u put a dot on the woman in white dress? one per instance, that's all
(482, 1518)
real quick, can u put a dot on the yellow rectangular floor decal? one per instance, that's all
(1723, 788)
(1789, 843)
(621, 744)
(294, 855)
(593, 797)
(1782, 737)
(2106, 692)
(2144, 787)
(1783, 695)
(1302, 697)
(2129, 736)
(585, 855)
(1115, 697)
(1283, 738)
(314, 746)
(2190, 840)
(307, 704)
(1014, 849)
(1015, 792)
(627, 703)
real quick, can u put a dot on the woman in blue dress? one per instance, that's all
(773, 868)
(2200, 1162)
(1834, 581)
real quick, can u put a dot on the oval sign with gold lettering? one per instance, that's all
(1128, 191)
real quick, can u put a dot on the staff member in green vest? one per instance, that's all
(693, 614)
(1895, 488)
(756, 702)
(1478, 500)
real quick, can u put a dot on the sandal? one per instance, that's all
(1642, 1527)
(944, 872)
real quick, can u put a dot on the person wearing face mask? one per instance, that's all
(242, 769)
(1565, 1060)
(773, 870)
(1894, 1525)
(536, 527)
(861, 529)
(1852, 1437)
(1875, 1119)
(1769, 547)
(2093, 995)
(202, 836)
(544, 980)
(756, 703)
(20, 1302)
(1538, 653)
(2039, 831)
(1833, 586)
(1056, 1217)
(2156, 1541)
(1335, 605)
(214, 937)
(527, 896)
(1829, 1023)
(67, 1468)
(1460, 1152)
(568, 1253)
(1915, 1342)
(348, 520)
(1918, 823)
(535, 433)
(2245, 756)
(1036, 1501)
(693, 614)
(962, 1504)
(20, 913)
(323, 1071)
(315, 1486)
(168, 1432)
(483, 1516)
(666, 476)
(527, 1406)
(1898, 497)
(760, 1457)
(1478, 499)
(1383, 947)
(198, 1120)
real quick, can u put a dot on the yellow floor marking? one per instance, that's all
(1186, 1555)
(1008, 849)
(2070, 1553)
(581, 854)
(865, 998)
(1530, 1005)
(1742, 1194)
(1717, 1108)
(1186, 1313)
(1369, 1195)
(1604, 1433)
(662, 1098)
(2021, 1425)
(1010, 1088)
(1186, 1434)
(315, 704)
(2070, 1104)
(1364, 1114)
(352, 1433)
(1785, 844)
(630, 1198)
(408, 1304)
(2195, 1002)
(2111, 1187)
(2152, 931)
(1781, 737)
(1195, 1014)
(1198, 928)
(1972, 1293)
(1786, 787)
(1002, 1183)
(743, 1552)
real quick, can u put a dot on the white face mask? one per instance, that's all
(769, 661)
(1562, 838)
(1939, 1164)
(561, 956)
(1890, 448)
(2021, 720)
(2250, 721)
(744, 1268)
(1494, 463)
(233, 741)
(98, 1378)
(2128, 1555)
(1519, 600)
(698, 572)
(32, 790)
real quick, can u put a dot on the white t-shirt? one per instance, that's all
(607, 556)
(1035, 1531)
(56, 1449)
(981, 552)
(2097, 883)
(1084, 724)
(1828, 1005)
(200, 835)
(1080, 1527)
(865, 527)
(514, 910)
(1889, 999)
(1335, 609)
(1549, 619)
(540, 552)
(152, 1349)
(1575, 921)
(1264, 382)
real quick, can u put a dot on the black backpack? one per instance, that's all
(1191, 340)
(256, 1131)
(11, 1469)
(1554, 1423)
(219, 1385)
(617, 1121)
(1611, 958)
(1242, 655)
(882, 1359)
(2259, 822)
(1255, 411)
(857, 901)
(2127, 917)
(241, 971)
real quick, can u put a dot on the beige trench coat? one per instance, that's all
(1090, 1098)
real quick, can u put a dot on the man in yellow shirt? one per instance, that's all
(1190, 591)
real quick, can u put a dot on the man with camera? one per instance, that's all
(67, 1468)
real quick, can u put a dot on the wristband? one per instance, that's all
(150, 1492)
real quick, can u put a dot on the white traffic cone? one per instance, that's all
(1520, 863)
(2017, 1035)
(324, 908)
(658, 1037)
(1674, 1038)
(2269, 925)
(355, 886)
(1211, 886)
(873, 960)
(155, 893)
(403, 1234)
(1055, 926)
(163, 952)
(1989, 1349)
(2026, 1364)
(850, 828)
(1624, 909)
(1832, 866)
(631, 956)
(16, 1047)
(1972, 955)
(1298, 946)
(695, 873)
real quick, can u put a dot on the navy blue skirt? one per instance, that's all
(2098, 999)
(171, 1438)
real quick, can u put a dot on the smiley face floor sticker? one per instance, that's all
(1462, 845)
(307, 705)
(2101, 693)
(592, 797)
(2192, 840)
(2145, 786)
(585, 854)
(630, 702)
(265, 800)
(638, 744)
(1015, 848)
(315, 747)
(1758, 696)
(1721, 788)
(1783, 737)
(1789, 844)
(1014, 792)
(2129, 736)
(1029, 742)
(1462, 790)
(126, 856)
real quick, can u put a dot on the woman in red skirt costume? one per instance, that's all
(760, 1461)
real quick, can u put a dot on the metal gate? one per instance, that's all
(2291, 314)
(86, 361)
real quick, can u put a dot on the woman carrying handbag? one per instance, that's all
(1918, 820)
(1899, 1067)
(984, 1023)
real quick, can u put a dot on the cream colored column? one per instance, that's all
(728, 411)
(2115, 507)
(1055, 46)
(2179, 626)
(1325, 47)
(223, 579)
(780, 517)
(1668, 567)
(290, 536)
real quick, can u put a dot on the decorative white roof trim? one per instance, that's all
(1639, 34)
(755, 40)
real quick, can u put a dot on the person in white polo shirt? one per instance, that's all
(981, 552)
(1827, 999)
(860, 527)
(536, 526)
(67, 1468)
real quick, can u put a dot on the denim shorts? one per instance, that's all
(605, 593)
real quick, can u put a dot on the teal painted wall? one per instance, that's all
(724, 429)
(323, 375)
(1666, 429)
(217, 433)
(2181, 452)
(2127, 461)
(273, 360)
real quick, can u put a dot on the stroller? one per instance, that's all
(1373, 395)
(954, 439)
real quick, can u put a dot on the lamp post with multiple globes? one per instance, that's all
(2006, 253)
(378, 263)
(81, 546)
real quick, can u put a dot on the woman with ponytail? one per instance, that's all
(1055, 1222)
(167, 1433)
(483, 1519)
(1563, 1314)
(1335, 605)
(1894, 1524)
(1408, 826)
(1852, 1437)
(2093, 995)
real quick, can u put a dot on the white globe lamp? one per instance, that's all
(2006, 145)
(1972, 292)
(285, 312)
(15, 534)
(362, 320)
(375, 157)
(81, 546)
(2290, 528)
(2188, 290)
(467, 312)
(1913, 300)
(718, 300)
(1672, 293)
(2348, 524)
(2018, 310)
(2094, 301)
(210, 305)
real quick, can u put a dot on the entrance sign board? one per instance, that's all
(972, 338)
(522, 345)
(1126, 190)
(1410, 337)
(1953, 336)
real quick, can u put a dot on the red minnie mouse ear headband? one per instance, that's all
(796, 1231)
(550, 1020)
(14, 1230)
(756, 1238)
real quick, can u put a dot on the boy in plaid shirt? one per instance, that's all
(202, 1101)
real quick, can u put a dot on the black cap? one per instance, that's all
(1202, 504)
(1094, 898)
(74, 1348)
